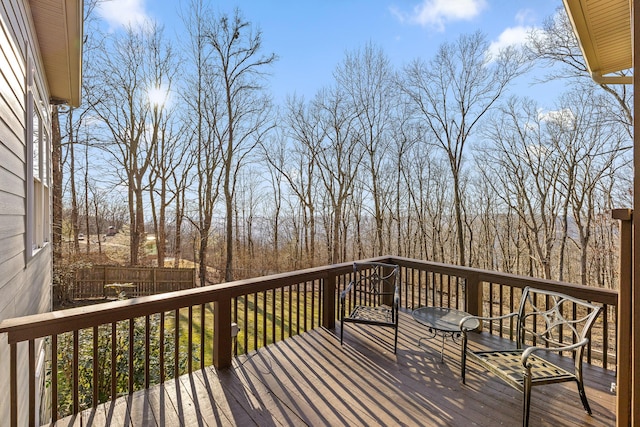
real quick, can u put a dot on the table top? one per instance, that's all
(443, 319)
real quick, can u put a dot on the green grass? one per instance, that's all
(262, 319)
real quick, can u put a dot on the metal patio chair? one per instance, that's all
(557, 323)
(372, 297)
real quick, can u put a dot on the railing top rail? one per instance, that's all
(46, 324)
(57, 322)
(590, 293)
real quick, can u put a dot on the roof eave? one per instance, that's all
(59, 30)
(604, 34)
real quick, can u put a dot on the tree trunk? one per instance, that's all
(56, 160)
(74, 194)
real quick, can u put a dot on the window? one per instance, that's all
(38, 172)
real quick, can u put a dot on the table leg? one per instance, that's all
(435, 334)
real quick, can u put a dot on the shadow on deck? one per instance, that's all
(311, 380)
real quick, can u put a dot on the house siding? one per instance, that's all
(25, 277)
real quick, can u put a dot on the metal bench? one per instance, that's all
(372, 296)
(556, 323)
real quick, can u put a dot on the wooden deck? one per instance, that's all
(311, 380)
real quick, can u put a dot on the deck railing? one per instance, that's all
(116, 348)
(490, 293)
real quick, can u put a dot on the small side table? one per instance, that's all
(443, 322)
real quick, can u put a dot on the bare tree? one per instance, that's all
(368, 80)
(171, 158)
(98, 209)
(236, 71)
(72, 131)
(556, 44)
(57, 179)
(163, 133)
(181, 179)
(298, 165)
(273, 153)
(202, 112)
(427, 187)
(452, 93)
(522, 165)
(250, 197)
(339, 156)
(404, 136)
(130, 67)
(589, 144)
(57, 137)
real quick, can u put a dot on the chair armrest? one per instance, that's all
(346, 290)
(530, 350)
(467, 318)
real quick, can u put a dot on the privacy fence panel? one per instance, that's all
(100, 282)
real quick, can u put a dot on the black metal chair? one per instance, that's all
(372, 297)
(556, 323)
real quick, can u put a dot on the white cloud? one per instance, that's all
(563, 117)
(123, 13)
(525, 16)
(512, 36)
(436, 13)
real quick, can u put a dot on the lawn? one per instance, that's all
(262, 319)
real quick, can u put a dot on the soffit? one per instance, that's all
(58, 25)
(603, 28)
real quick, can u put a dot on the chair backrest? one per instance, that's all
(375, 283)
(554, 319)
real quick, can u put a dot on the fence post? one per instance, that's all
(105, 280)
(329, 302)
(222, 331)
(473, 295)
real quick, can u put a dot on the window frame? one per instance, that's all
(38, 179)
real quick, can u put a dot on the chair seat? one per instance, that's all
(370, 314)
(507, 364)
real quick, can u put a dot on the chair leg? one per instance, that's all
(341, 330)
(526, 398)
(583, 397)
(395, 341)
(463, 357)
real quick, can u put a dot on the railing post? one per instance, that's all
(388, 288)
(222, 332)
(13, 362)
(329, 302)
(473, 295)
(624, 348)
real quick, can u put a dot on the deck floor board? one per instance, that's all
(310, 379)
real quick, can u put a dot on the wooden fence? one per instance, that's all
(98, 281)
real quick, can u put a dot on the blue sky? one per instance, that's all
(311, 37)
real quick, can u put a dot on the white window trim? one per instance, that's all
(38, 209)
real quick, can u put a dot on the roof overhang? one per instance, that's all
(59, 30)
(603, 28)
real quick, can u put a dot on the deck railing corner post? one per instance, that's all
(473, 295)
(222, 341)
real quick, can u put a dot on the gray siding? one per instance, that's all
(25, 282)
